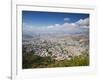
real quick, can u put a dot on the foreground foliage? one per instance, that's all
(29, 60)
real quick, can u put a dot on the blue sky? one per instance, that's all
(35, 21)
(50, 18)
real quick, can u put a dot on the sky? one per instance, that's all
(54, 22)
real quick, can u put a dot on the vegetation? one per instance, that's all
(33, 61)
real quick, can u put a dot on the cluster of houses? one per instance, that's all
(59, 49)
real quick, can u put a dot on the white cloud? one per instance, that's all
(49, 27)
(57, 24)
(53, 26)
(79, 26)
(83, 22)
(66, 19)
(69, 26)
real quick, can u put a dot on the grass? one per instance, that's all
(33, 61)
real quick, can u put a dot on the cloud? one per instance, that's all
(66, 27)
(69, 25)
(80, 26)
(53, 26)
(66, 19)
(83, 22)
(50, 27)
